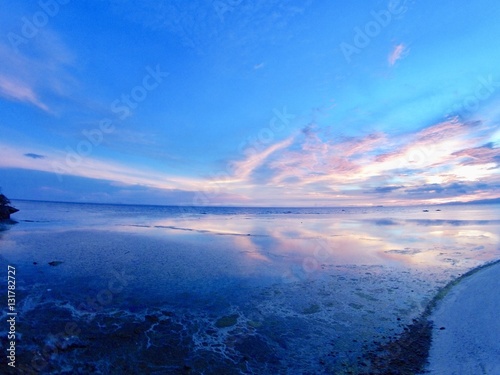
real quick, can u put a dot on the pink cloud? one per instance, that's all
(12, 90)
(314, 166)
(244, 168)
(485, 154)
(317, 166)
(324, 160)
(435, 143)
(397, 53)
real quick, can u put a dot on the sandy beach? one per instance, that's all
(467, 328)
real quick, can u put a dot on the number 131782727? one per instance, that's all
(11, 292)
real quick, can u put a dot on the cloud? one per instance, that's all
(124, 175)
(34, 156)
(446, 130)
(317, 157)
(397, 53)
(17, 91)
(450, 190)
(484, 154)
(31, 78)
(317, 165)
(430, 147)
(447, 161)
(244, 168)
(387, 189)
(93, 168)
(31, 184)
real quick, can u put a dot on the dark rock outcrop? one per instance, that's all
(5, 209)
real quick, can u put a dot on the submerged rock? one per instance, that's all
(227, 321)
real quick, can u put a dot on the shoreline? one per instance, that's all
(465, 339)
(409, 353)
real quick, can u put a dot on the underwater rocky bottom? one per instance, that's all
(358, 320)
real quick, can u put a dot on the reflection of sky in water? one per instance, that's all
(344, 239)
(295, 245)
(263, 248)
(342, 274)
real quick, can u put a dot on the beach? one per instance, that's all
(146, 289)
(467, 327)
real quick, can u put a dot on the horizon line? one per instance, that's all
(479, 201)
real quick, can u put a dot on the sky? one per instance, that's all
(250, 102)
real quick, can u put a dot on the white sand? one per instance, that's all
(470, 314)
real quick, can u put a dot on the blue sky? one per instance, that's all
(240, 102)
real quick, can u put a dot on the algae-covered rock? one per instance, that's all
(227, 321)
(254, 324)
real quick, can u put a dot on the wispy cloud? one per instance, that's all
(31, 78)
(244, 168)
(17, 91)
(315, 165)
(397, 53)
(447, 161)
(484, 154)
(317, 159)
(93, 168)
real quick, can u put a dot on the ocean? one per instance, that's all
(118, 289)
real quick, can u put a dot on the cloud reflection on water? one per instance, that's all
(308, 242)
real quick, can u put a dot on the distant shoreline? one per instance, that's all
(476, 202)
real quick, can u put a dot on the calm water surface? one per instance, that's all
(167, 290)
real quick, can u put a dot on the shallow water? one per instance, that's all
(145, 289)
